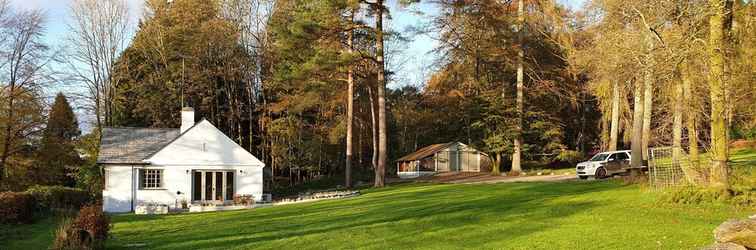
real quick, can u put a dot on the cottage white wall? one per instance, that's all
(117, 196)
(118, 189)
(203, 145)
(248, 181)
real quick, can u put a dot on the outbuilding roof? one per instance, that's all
(425, 152)
(132, 145)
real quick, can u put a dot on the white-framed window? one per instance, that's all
(151, 179)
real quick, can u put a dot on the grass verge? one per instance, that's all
(566, 215)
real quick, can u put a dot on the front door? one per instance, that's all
(214, 186)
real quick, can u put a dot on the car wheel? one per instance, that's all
(583, 177)
(600, 173)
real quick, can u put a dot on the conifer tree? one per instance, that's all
(57, 156)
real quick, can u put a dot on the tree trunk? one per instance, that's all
(495, 168)
(98, 113)
(677, 120)
(350, 112)
(636, 158)
(380, 171)
(373, 130)
(360, 137)
(517, 154)
(614, 131)
(606, 117)
(8, 138)
(716, 48)
(648, 88)
(683, 104)
(691, 112)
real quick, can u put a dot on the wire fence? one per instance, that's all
(672, 167)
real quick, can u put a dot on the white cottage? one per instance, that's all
(195, 164)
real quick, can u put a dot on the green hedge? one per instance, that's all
(50, 198)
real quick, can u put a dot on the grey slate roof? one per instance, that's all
(132, 145)
(425, 152)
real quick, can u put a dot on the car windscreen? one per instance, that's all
(600, 157)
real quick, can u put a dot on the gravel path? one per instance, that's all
(474, 178)
(507, 179)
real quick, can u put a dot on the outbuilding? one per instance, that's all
(443, 157)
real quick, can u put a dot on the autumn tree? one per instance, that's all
(308, 87)
(350, 103)
(479, 75)
(24, 73)
(185, 53)
(380, 171)
(97, 36)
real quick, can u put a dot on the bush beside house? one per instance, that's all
(88, 230)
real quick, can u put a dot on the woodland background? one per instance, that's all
(302, 84)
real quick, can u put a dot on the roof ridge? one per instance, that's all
(130, 144)
(177, 137)
(427, 150)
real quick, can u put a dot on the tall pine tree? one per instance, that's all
(57, 157)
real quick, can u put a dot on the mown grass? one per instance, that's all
(568, 215)
(32, 236)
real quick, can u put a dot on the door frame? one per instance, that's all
(203, 185)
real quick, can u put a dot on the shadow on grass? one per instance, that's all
(407, 215)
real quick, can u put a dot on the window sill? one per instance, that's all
(153, 189)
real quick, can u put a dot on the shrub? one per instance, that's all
(246, 200)
(51, 198)
(637, 178)
(16, 207)
(745, 198)
(691, 195)
(699, 195)
(570, 156)
(88, 230)
(93, 220)
(67, 237)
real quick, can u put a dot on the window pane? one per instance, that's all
(141, 178)
(229, 185)
(151, 178)
(197, 190)
(218, 186)
(208, 185)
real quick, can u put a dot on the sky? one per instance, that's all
(413, 64)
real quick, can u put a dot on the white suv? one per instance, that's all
(604, 164)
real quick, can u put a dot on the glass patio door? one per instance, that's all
(216, 186)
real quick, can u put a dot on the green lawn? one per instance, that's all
(567, 215)
(33, 236)
(572, 215)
